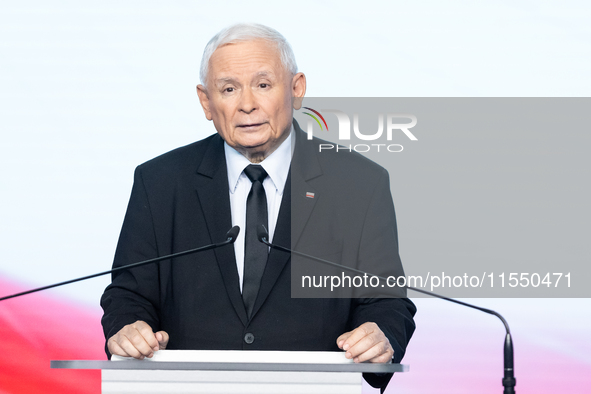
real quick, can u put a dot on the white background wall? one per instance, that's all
(88, 90)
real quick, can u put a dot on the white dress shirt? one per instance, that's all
(277, 167)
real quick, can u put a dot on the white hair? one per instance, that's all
(246, 32)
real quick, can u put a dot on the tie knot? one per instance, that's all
(255, 173)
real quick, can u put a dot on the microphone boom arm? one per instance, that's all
(508, 379)
(230, 238)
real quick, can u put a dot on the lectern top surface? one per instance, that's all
(230, 360)
(246, 356)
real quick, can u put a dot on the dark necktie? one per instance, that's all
(255, 252)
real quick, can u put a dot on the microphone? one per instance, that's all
(508, 377)
(231, 236)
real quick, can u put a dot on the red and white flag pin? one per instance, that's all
(309, 194)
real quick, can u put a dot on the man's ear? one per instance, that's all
(204, 100)
(298, 90)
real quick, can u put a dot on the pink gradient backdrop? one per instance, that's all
(458, 350)
(38, 328)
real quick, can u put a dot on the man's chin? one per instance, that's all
(252, 143)
(256, 147)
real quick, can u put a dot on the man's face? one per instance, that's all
(249, 97)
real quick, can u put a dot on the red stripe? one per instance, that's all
(38, 328)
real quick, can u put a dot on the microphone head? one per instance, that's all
(262, 233)
(233, 234)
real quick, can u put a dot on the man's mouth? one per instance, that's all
(248, 126)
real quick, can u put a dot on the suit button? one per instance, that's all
(249, 338)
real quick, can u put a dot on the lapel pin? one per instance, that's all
(309, 194)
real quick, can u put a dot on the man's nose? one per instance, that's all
(247, 101)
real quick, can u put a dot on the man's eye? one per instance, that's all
(229, 90)
(264, 85)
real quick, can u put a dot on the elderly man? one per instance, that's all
(239, 298)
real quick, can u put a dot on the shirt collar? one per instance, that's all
(276, 164)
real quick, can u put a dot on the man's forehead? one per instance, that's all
(256, 50)
(260, 42)
(256, 58)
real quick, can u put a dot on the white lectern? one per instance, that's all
(229, 371)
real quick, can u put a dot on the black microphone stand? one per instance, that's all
(230, 238)
(508, 379)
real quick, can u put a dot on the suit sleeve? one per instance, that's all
(133, 294)
(378, 254)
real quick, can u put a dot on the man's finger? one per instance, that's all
(147, 334)
(358, 334)
(162, 338)
(364, 344)
(137, 340)
(380, 352)
(130, 348)
(342, 338)
(383, 358)
(114, 348)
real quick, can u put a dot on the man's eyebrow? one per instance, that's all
(221, 81)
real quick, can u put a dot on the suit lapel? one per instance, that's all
(304, 167)
(212, 189)
(294, 212)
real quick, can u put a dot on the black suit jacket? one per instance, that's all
(180, 201)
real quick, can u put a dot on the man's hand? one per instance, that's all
(137, 340)
(366, 343)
